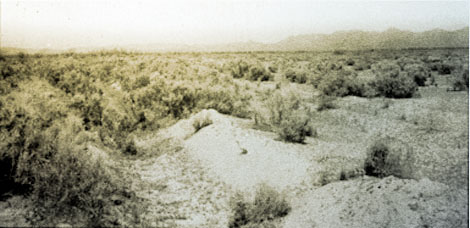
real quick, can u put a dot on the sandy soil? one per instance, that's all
(190, 176)
(229, 156)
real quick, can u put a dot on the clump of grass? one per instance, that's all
(325, 103)
(130, 147)
(267, 206)
(389, 157)
(386, 104)
(201, 122)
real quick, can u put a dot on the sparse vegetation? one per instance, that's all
(77, 120)
(460, 82)
(267, 206)
(386, 157)
(325, 103)
(202, 122)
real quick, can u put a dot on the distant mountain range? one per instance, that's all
(343, 40)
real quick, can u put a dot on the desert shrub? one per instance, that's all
(80, 183)
(141, 81)
(8, 76)
(445, 68)
(272, 69)
(350, 62)
(325, 103)
(362, 64)
(338, 52)
(339, 83)
(284, 114)
(392, 83)
(179, 99)
(43, 150)
(267, 206)
(389, 156)
(296, 76)
(129, 146)
(442, 68)
(258, 72)
(418, 72)
(226, 99)
(326, 66)
(201, 122)
(5, 70)
(460, 82)
(239, 69)
(295, 128)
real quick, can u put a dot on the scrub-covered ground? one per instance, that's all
(344, 139)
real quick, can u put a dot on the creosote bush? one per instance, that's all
(283, 113)
(252, 72)
(387, 156)
(296, 76)
(418, 72)
(259, 73)
(460, 82)
(267, 206)
(340, 83)
(325, 102)
(390, 82)
(45, 150)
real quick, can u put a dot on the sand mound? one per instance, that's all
(243, 157)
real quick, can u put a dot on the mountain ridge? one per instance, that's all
(392, 38)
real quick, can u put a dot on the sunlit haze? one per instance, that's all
(71, 24)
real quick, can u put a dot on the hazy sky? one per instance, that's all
(73, 23)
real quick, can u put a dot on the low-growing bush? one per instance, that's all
(296, 76)
(43, 150)
(259, 73)
(339, 84)
(201, 122)
(418, 72)
(252, 72)
(460, 82)
(239, 69)
(283, 113)
(387, 156)
(350, 62)
(272, 69)
(267, 206)
(442, 68)
(390, 82)
(325, 103)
